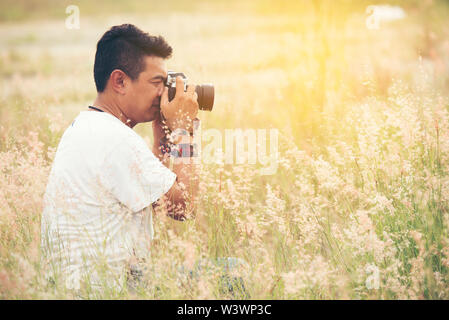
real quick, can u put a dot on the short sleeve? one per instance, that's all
(134, 175)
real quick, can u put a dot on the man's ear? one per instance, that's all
(118, 81)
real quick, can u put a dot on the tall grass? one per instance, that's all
(358, 206)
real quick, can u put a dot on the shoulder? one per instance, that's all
(104, 127)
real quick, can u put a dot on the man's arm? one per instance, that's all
(180, 199)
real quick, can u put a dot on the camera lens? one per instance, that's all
(205, 94)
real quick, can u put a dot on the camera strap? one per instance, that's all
(90, 107)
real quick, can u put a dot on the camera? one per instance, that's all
(205, 92)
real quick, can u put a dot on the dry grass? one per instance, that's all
(362, 183)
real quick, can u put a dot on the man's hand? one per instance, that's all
(180, 112)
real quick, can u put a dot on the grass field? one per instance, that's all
(358, 207)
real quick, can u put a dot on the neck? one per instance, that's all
(105, 104)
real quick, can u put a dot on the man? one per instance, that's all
(104, 180)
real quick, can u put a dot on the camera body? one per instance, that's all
(205, 92)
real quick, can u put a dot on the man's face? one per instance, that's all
(143, 95)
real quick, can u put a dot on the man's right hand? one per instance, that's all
(180, 112)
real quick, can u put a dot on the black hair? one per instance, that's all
(124, 47)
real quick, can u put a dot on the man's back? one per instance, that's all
(103, 177)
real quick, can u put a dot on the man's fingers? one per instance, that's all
(191, 88)
(195, 113)
(179, 86)
(185, 106)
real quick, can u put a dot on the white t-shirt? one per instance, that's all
(97, 209)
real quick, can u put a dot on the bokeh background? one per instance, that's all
(358, 207)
